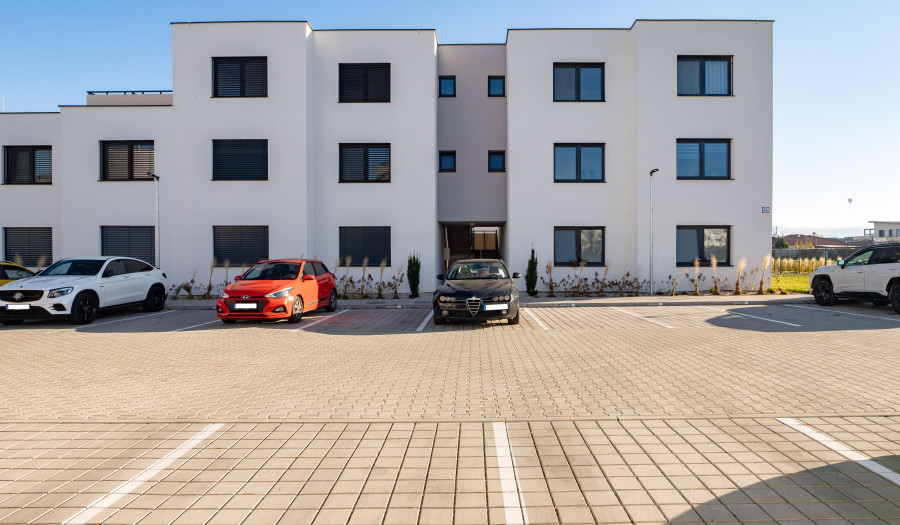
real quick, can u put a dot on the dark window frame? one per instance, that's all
(341, 95)
(578, 146)
(358, 263)
(242, 61)
(220, 262)
(129, 230)
(365, 146)
(441, 155)
(104, 160)
(701, 168)
(31, 231)
(702, 81)
(497, 152)
(578, 230)
(8, 165)
(496, 77)
(700, 232)
(446, 77)
(578, 66)
(240, 142)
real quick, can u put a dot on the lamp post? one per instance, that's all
(156, 228)
(654, 170)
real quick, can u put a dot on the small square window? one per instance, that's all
(496, 86)
(704, 76)
(578, 82)
(448, 161)
(447, 86)
(496, 161)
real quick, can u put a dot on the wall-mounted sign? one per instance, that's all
(767, 209)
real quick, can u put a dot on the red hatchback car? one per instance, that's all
(278, 289)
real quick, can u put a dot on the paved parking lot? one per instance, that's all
(626, 414)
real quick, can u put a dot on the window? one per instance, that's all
(241, 160)
(578, 163)
(496, 86)
(240, 77)
(364, 83)
(126, 160)
(702, 242)
(32, 245)
(496, 161)
(881, 233)
(359, 242)
(860, 259)
(447, 86)
(28, 165)
(887, 255)
(365, 163)
(240, 245)
(320, 268)
(704, 75)
(578, 82)
(129, 241)
(703, 158)
(574, 245)
(448, 161)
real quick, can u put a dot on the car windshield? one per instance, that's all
(74, 267)
(477, 270)
(272, 271)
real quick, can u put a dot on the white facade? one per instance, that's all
(885, 231)
(304, 205)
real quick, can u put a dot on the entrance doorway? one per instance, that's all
(471, 241)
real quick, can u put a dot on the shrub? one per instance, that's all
(531, 275)
(414, 268)
(549, 283)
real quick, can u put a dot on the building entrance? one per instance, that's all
(471, 241)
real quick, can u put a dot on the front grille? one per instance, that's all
(259, 306)
(474, 305)
(21, 296)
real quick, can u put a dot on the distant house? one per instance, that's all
(884, 231)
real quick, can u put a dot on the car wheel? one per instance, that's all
(824, 292)
(12, 322)
(229, 321)
(332, 301)
(156, 299)
(296, 310)
(515, 320)
(84, 308)
(895, 298)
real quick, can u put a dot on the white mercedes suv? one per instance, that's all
(870, 274)
(78, 288)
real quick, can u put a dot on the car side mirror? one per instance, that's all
(308, 277)
(237, 277)
(841, 263)
(517, 275)
(440, 277)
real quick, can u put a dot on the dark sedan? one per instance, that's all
(477, 290)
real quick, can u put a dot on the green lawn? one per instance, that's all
(791, 282)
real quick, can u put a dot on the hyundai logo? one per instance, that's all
(245, 297)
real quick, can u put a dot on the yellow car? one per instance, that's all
(10, 272)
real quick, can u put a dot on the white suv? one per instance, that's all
(871, 274)
(78, 288)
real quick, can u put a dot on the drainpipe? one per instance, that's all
(654, 170)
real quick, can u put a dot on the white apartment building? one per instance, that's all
(278, 140)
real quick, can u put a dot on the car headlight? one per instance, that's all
(59, 292)
(224, 295)
(279, 294)
(506, 298)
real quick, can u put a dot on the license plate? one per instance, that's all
(496, 307)
(18, 306)
(245, 306)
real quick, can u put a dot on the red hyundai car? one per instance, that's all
(278, 289)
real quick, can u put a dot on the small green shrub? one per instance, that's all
(413, 272)
(531, 276)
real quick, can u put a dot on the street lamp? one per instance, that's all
(654, 170)
(156, 229)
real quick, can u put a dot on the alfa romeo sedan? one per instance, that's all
(278, 289)
(78, 288)
(477, 290)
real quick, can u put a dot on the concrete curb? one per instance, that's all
(543, 302)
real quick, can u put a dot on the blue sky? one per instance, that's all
(837, 77)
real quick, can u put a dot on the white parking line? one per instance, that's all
(843, 450)
(317, 321)
(509, 477)
(641, 317)
(195, 326)
(536, 318)
(425, 321)
(85, 515)
(838, 312)
(752, 316)
(92, 325)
